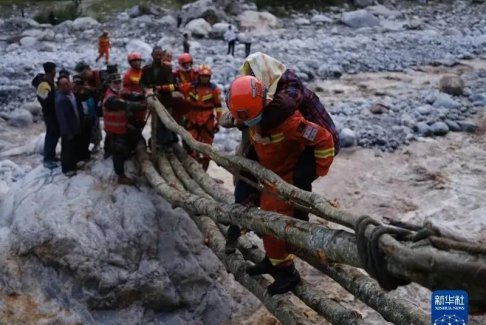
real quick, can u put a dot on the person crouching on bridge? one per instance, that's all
(278, 149)
(202, 119)
(124, 137)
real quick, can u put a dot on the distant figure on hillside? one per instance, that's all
(185, 44)
(230, 37)
(104, 47)
(245, 39)
(179, 20)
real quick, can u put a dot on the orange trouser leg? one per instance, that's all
(277, 250)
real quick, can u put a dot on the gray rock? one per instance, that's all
(407, 120)
(258, 21)
(83, 23)
(28, 41)
(453, 126)
(347, 138)
(452, 85)
(423, 129)
(205, 9)
(136, 45)
(321, 19)
(218, 30)
(168, 20)
(439, 128)
(302, 21)
(363, 3)
(378, 108)
(415, 24)
(198, 27)
(468, 126)
(359, 19)
(446, 101)
(33, 107)
(424, 110)
(328, 71)
(134, 11)
(380, 10)
(478, 99)
(20, 118)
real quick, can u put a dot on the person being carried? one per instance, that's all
(185, 43)
(278, 147)
(287, 94)
(124, 137)
(202, 119)
(104, 47)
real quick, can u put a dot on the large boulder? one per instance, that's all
(347, 138)
(136, 45)
(83, 250)
(359, 18)
(168, 20)
(258, 22)
(446, 101)
(439, 128)
(33, 107)
(218, 29)
(301, 21)
(28, 41)
(83, 23)
(452, 85)
(198, 27)
(380, 10)
(205, 9)
(20, 118)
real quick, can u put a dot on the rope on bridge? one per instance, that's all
(411, 257)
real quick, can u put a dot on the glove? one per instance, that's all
(185, 87)
(166, 88)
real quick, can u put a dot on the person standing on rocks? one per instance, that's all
(104, 47)
(230, 37)
(279, 148)
(46, 97)
(185, 43)
(124, 137)
(157, 79)
(69, 116)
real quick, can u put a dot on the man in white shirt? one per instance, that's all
(230, 37)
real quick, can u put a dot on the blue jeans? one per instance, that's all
(52, 137)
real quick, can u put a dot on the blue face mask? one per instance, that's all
(254, 121)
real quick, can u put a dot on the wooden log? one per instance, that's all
(349, 278)
(431, 269)
(278, 305)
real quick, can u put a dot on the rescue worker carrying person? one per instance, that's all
(133, 91)
(287, 94)
(202, 119)
(278, 148)
(124, 137)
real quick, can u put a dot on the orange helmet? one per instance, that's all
(205, 70)
(185, 58)
(246, 99)
(134, 56)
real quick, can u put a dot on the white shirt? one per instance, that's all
(229, 35)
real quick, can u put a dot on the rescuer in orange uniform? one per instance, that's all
(184, 76)
(278, 149)
(202, 119)
(124, 137)
(104, 47)
(132, 90)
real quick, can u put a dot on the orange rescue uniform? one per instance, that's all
(279, 151)
(104, 48)
(131, 85)
(201, 120)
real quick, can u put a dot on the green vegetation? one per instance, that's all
(285, 7)
(59, 13)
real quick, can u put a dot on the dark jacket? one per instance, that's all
(292, 95)
(158, 75)
(45, 95)
(68, 116)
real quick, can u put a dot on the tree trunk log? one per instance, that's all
(429, 267)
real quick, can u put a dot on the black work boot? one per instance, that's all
(263, 267)
(286, 278)
(232, 242)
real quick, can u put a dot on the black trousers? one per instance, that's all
(85, 137)
(52, 137)
(69, 152)
(122, 146)
(231, 47)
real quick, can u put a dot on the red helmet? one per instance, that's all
(205, 70)
(246, 99)
(134, 56)
(185, 58)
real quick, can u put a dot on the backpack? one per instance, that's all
(37, 80)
